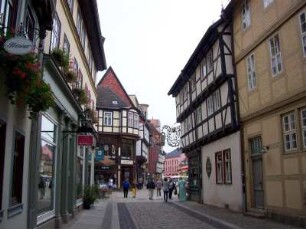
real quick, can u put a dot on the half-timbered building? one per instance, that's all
(118, 130)
(206, 107)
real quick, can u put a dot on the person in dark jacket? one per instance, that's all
(126, 186)
(151, 187)
(171, 188)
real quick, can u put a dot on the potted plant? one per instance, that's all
(80, 95)
(61, 58)
(91, 194)
(70, 76)
(92, 115)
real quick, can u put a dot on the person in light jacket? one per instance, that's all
(166, 189)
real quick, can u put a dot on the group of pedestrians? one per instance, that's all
(168, 186)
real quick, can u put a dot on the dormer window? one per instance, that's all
(115, 102)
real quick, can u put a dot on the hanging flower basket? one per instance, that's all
(92, 115)
(80, 95)
(22, 77)
(70, 76)
(61, 58)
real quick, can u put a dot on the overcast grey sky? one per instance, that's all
(148, 43)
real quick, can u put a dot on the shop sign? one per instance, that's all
(99, 155)
(85, 140)
(104, 167)
(18, 46)
(127, 162)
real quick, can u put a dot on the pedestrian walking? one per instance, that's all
(151, 187)
(172, 188)
(134, 188)
(166, 189)
(126, 186)
(159, 185)
(182, 189)
(42, 187)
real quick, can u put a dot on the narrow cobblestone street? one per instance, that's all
(116, 212)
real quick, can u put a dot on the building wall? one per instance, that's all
(16, 120)
(262, 109)
(171, 165)
(223, 195)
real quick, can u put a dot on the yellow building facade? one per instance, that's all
(270, 58)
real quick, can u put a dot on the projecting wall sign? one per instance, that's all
(18, 46)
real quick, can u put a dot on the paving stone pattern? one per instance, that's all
(116, 212)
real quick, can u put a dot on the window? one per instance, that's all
(223, 167)
(108, 118)
(303, 121)
(213, 102)
(303, 31)
(70, 4)
(276, 59)
(2, 153)
(256, 146)
(81, 29)
(209, 61)
(219, 168)
(56, 32)
(267, 3)
(46, 179)
(136, 121)
(199, 115)
(130, 119)
(246, 14)
(204, 68)
(251, 72)
(66, 45)
(17, 171)
(30, 25)
(193, 82)
(10, 14)
(289, 129)
(227, 167)
(126, 149)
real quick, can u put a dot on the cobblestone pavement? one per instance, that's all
(117, 212)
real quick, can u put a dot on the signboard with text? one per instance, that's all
(85, 140)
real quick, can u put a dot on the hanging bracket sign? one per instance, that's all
(18, 46)
(85, 140)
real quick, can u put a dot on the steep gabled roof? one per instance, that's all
(111, 93)
(175, 153)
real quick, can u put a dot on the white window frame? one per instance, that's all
(267, 3)
(302, 20)
(107, 118)
(219, 167)
(136, 121)
(303, 124)
(251, 72)
(70, 4)
(289, 132)
(245, 14)
(209, 61)
(130, 119)
(275, 53)
(56, 32)
(204, 68)
(227, 166)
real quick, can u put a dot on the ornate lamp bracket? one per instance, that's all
(172, 135)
